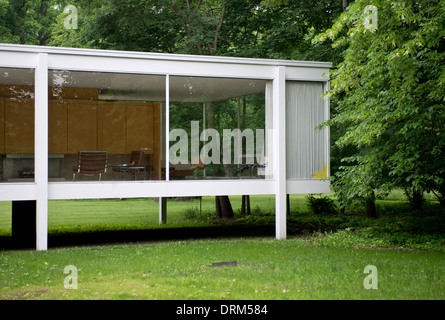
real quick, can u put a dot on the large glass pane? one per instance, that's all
(105, 126)
(16, 125)
(217, 128)
(306, 146)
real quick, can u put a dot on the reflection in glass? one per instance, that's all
(16, 125)
(105, 126)
(217, 128)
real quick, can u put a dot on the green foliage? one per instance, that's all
(389, 100)
(248, 28)
(196, 214)
(370, 238)
(27, 22)
(321, 205)
(280, 29)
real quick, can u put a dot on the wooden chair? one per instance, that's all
(134, 166)
(91, 163)
(186, 170)
(136, 158)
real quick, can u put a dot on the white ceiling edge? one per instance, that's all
(162, 56)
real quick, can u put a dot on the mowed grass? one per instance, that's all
(316, 266)
(266, 269)
(112, 214)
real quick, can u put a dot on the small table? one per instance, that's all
(125, 168)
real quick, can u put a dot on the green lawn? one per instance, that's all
(323, 258)
(109, 214)
(266, 269)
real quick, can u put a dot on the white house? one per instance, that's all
(57, 102)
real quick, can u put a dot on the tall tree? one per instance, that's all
(191, 27)
(389, 95)
(249, 28)
(27, 22)
(280, 29)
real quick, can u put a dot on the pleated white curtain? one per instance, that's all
(306, 146)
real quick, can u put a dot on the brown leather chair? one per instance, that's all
(136, 158)
(134, 166)
(91, 163)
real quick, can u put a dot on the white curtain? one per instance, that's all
(306, 146)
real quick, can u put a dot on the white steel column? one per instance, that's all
(163, 201)
(41, 150)
(167, 128)
(279, 150)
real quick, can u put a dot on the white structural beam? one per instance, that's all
(41, 150)
(279, 148)
(150, 189)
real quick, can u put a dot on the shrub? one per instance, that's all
(196, 214)
(321, 205)
(368, 237)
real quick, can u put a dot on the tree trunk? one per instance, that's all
(344, 5)
(370, 208)
(370, 205)
(222, 203)
(247, 205)
(218, 208)
(417, 200)
(243, 205)
(223, 207)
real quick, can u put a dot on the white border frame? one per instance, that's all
(44, 58)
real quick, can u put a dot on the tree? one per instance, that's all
(389, 96)
(201, 23)
(27, 22)
(280, 29)
(250, 28)
(191, 27)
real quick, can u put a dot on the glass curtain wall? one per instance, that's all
(217, 128)
(105, 126)
(16, 125)
(306, 146)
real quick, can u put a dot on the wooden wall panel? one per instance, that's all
(157, 147)
(19, 126)
(140, 128)
(82, 126)
(67, 93)
(57, 127)
(17, 92)
(111, 127)
(117, 127)
(144, 131)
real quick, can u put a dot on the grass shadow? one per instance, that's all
(71, 239)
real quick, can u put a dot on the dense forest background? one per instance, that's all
(388, 82)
